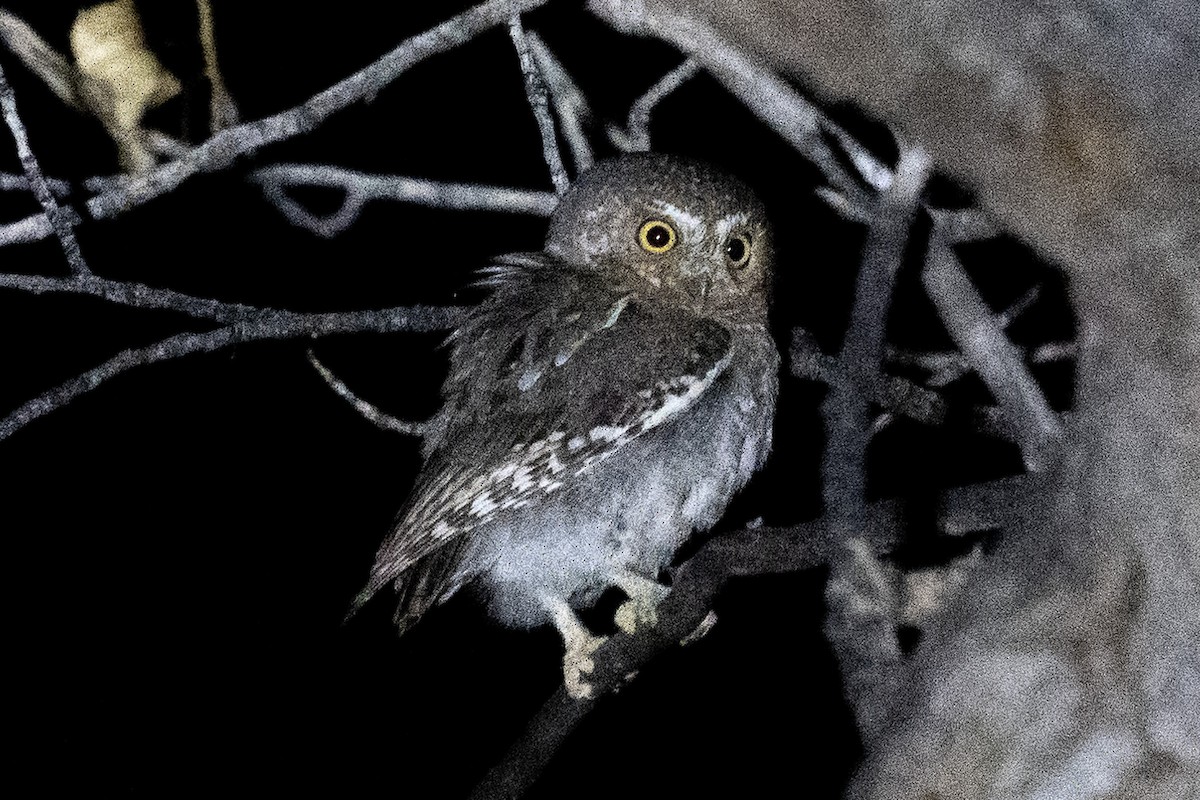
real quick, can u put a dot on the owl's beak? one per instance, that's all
(697, 288)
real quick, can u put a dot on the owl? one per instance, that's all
(604, 403)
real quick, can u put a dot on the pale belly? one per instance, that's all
(633, 511)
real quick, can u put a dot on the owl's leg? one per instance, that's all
(579, 642)
(641, 609)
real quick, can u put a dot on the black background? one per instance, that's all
(181, 544)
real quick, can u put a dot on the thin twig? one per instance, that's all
(272, 325)
(977, 332)
(856, 210)
(385, 421)
(799, 121)
(570, 103)
(1018, 307)
(1002, 503)
(944, 366)
(1055, 351)
(636, 136)
(61, 220)
(535, 93)
(360, 188)
(947, 366)
(223, 148)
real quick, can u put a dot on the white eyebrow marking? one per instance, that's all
(729, 223)
(690, 225)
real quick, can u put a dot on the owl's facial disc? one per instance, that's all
(693, 253)
(697, 237)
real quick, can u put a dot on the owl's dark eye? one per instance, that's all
(656, 236)
(737, 250)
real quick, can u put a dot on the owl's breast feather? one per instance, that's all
(638, 507)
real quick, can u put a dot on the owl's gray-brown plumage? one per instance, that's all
(609, 398)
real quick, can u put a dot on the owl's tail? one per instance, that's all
(429, 582)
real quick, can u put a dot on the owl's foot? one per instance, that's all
(577, 662)
(641, 609)
(580, 644)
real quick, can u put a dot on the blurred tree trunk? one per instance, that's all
(1072, 666)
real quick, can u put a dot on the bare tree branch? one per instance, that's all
(694, 587)
(535, 93)
(60, 219)
(569, 102)
(20, 183)
(862, 604)
(998, 504)
(636, 135)
(1055, 351)
(360, 188)
(381, 420)
(265, 325)
(224, 147)
(980, 335)
(895, 394)
(33, 228)
(771, 99)
(947, 366)
(134, 295)
(222, 110)
(963, 225)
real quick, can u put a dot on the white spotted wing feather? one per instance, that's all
(557, 372)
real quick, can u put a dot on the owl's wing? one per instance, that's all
(555, 373)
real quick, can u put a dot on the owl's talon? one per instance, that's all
(579, 644)
(641, 609)
(635, 613)
(578, 661)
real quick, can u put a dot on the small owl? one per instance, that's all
(606, 401)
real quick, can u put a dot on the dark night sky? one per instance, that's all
(183, 542)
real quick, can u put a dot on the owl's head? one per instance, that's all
(694, 236)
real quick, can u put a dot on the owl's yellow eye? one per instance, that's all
(737, 250)
(656, 236)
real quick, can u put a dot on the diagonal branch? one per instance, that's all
(570, 103)
(636, 136)
(694, 587)
(220, 150)
(535, 93)
(264, 325)
(695, 584)
(980, 335)
(33, 228)
(61, 219)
